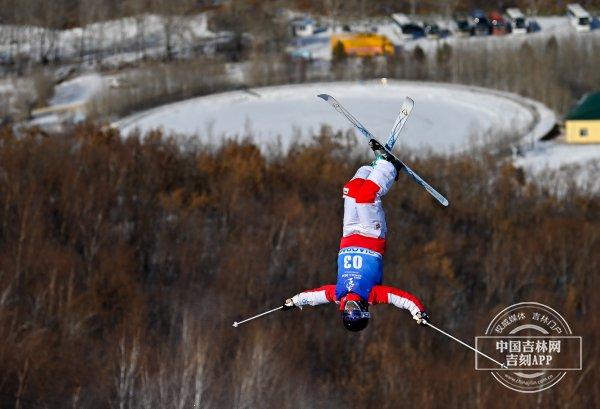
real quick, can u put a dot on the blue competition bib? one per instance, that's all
(358, 271)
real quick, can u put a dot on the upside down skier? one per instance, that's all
(360, 259)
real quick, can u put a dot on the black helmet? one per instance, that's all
(355, 315)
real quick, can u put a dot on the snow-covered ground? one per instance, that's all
(446, 118)
(119, 41)
(70, 100)
(79, 89)
(549, 162)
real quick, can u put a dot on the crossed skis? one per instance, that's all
(405, 111)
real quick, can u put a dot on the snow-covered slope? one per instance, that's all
(116, 41)
(79, 89)
(446, 117)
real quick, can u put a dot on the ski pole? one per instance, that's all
(235, 324)
(465, 344)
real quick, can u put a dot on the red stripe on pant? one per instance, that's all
(367, 192)
(358, 240)
(352, 188)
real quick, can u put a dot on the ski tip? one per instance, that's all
(235, 324)
(445, 202)
(407, 106)
(323, 96)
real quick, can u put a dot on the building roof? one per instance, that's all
(588, 107)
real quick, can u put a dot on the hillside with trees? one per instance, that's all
(124, 262)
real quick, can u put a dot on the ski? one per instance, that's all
(405, 111)
(390, 157)
(393, 137)
(336, 105)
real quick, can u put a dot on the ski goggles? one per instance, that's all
(353, 311)
(356, 314)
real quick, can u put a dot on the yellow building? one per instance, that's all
(582, 124)
(363, 44)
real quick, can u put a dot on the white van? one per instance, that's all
(406, 29)
(578, 17)
(517, 21)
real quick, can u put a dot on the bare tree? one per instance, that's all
(449, 7)
(413, 7)
(137, 9)
(174, 21)
(126, 370)
(534, 6)
(332, 7)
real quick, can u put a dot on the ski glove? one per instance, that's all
(288, 304)
(421, 317)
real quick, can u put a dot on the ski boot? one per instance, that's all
(382, 153)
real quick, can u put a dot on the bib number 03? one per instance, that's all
(353, 262)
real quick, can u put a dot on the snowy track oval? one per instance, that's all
(445, 118)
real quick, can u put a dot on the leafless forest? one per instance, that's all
(124, 262)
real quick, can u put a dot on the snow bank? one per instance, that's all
(551, 161)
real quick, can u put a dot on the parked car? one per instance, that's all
(533, 26)
(498, 24)
(445, 32)
(408, 30)
(412, 31)
(432, 30)
(480, 26)
(579, 17)
(463, 25)
(517, 23)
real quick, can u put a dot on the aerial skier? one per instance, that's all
(360, 259)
